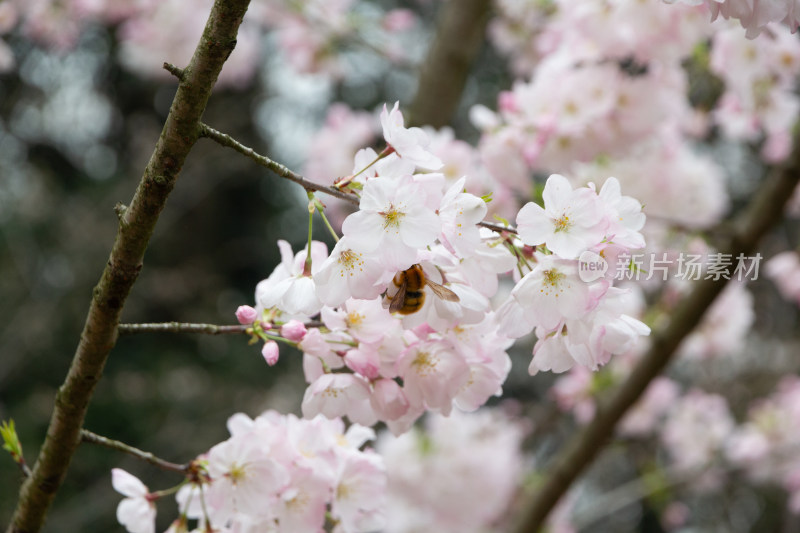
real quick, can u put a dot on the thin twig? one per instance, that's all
(497, 227)
(136, 225)
(764, 212)
(181, 327)
(94, 438)
(284, 172)
(185, 327)
(277, 168)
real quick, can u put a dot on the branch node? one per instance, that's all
(120, 209)
(175, 71)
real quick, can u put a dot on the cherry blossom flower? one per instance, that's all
(347, 273)
(244, 477)
(624, 214)
(553, 291)
(409, 143)
(136, 512)
(359, 494)
(335, 395)
(459, 213)
(392, 222)
(459, 474)
(570, 222)
(290, 288)
(433, 375)
(364, 320)
(388, 399)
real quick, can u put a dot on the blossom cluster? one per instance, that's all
(767, 445)
(310, 33)
(275, 473)
(576, 319)
(405, 295)
(753, 16)
(459, 473)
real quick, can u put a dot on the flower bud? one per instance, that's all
(246, 315)
(270, 352)
(294, 330)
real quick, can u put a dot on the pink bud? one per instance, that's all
(270, 352)
(246, 315)
(294, 330)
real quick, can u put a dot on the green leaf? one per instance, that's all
(10, 440)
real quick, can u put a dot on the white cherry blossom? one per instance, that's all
(409, 143)
(136, 512)
(570, 222)
(392, 222)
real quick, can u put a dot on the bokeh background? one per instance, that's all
(77, 126)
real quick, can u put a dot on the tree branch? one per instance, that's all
(764, 212)
(181, 327)
(185, 327)
(459, 35)
(277, 168)
(136, 225)
(94, 438)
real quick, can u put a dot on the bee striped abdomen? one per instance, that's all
(412, 302)
(410, 295)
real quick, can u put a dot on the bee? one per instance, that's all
(410, 295)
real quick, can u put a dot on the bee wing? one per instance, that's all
(442, 292)
(398, 298)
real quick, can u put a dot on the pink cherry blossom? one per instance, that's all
(458, 474)
(433, 374)
(388, 400)
(570, 222)
(359, 494)
(335, 395)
